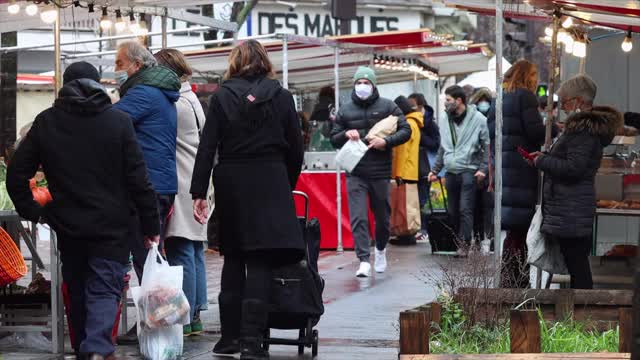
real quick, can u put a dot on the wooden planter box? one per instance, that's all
(602, 308)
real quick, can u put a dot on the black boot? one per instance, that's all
(254, 323)
(230, 313)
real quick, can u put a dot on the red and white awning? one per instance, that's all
(311, 60)
(616, 14)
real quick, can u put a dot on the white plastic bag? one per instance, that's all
(350, 155)
(162, 308)
(541, 251)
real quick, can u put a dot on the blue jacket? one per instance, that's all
(154, 116)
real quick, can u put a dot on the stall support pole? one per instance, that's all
(498, 147)
(285, 62)
(164, 29)
(552, 82)
(57, 57)
(336, 75)
(57, 310)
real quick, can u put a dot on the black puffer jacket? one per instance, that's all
(522, 126)
(362, 115)
(429, 142)
(569, 200)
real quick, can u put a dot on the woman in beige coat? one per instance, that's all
(185, 237)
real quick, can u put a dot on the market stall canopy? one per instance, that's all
(486, 79)
(617, 14)
(311, 60)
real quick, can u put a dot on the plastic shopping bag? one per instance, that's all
(157, 344)
(541, 251)
(162, 308)
(350, 155)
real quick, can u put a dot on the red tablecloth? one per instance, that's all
(321, 188)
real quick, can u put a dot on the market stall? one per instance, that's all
(304, 63)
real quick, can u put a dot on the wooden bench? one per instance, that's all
(572, 356)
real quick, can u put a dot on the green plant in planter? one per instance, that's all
(456, 336)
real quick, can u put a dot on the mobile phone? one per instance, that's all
(525, 154)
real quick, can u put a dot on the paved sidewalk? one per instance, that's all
(361, 315)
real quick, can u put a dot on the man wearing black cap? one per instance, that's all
(94, 167)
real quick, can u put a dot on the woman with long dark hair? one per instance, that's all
(253, 126)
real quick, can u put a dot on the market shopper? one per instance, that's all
(463, 152)
(406, 157)
(429, 144)
(253, 122)
(185, 237)
(522, 129)
(322, 119)
(94, 167)
(148, 93)
(370, 178)
(569, 200)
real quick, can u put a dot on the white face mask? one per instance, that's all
(364, 91)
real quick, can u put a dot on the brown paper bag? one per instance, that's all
(383, 128)
(405, 209)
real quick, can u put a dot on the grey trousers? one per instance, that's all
(461, 192)
(378, 194)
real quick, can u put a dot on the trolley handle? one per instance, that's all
(306, 204)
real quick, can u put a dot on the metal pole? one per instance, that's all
(285, 62)
(498, 146)
(336, 75)
(552, 81)
(56, 54)
(164, 29)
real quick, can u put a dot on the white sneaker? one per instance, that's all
(381, 261)
(364, 270)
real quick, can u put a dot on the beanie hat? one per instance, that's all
(366, 73)
(404, 105)
(80, 70)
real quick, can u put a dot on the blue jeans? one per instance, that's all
(190, 255)
(461, 191)
(95, 286)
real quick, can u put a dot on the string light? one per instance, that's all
(568, 22)
(13, 8)
(142, 26)
(627, 44)
(548, 31)
(120, 24)
(580, 48)
(49, 15)
(31, 9)
(90, 6)
(105, 22)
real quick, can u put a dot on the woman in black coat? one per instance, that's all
(253, 125)
(569, 199)
(522, 127)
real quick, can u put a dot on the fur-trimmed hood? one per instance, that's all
(602, 121)
(479, 94)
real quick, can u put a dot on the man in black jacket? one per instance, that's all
(95, 170)
(372, 174)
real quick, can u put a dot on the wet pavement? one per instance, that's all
(361, 315)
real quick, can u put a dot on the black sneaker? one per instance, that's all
(252, 349)
(130, 338)
(226, 347)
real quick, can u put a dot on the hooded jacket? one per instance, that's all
(429, 142)
(149, 98)
(362, 115)
(94, 168)
(406, 157)
(470, 151)
(569, 200)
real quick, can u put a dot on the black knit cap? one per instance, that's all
(80, 70)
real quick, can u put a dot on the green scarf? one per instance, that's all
(158, 76)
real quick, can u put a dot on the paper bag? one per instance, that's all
(405, 209)
(383, 128)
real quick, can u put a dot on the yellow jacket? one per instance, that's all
(406, 156)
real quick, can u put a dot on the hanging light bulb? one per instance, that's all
(569, 41)
(548, 31)
(142, 26)
(105, 22)
(627, 44)
(568, 22)
(580, 48)
(13, 8)
(90, 6)
(49, 15)
(31, 9)
(121, 25)
(133, 24)
(568, 47)
(562, 36)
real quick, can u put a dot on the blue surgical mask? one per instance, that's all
(121, 77)
(484, 106)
